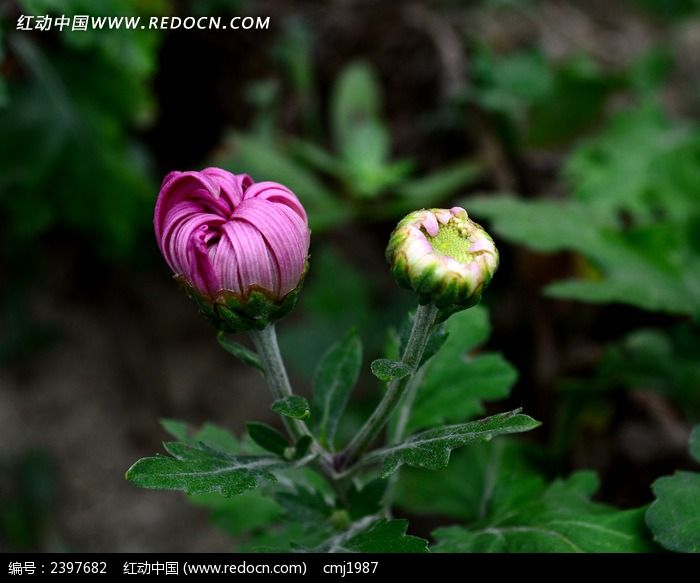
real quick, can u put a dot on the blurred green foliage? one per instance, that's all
(68, 157)
(633, 213)
(540, 103)
(355, 176)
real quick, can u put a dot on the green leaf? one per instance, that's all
(431, 189)
(663, 361)
(302, 446)
(240, 515)
(217, 438)
(655, 267)
(369, 535)
(390, 370)
(674, 517)
(431, 449)
(316, 157)
(542, 225)
(481, 479)
(209, 434)
(562, 518)
(294, 407)
(633, 215)
(239, 351)
(355, 100)
(456, 381)
(335, 377)
(367, 499)
(201, 470)
(178, 429)
(627, 166)
(267, 437)
(304, 505)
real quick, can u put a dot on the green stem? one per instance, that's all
(268, 350)
(398, 433)
(422, 328)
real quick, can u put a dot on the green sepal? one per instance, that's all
(230, 313)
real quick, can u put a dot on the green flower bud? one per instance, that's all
(444, 256)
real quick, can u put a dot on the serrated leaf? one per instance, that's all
(562, 518)
(674, 517)
(294, 407)
(649, 259)
(431, 449)
(335, 378)
(456, 382)
(267, 437)
(304, 505)
(481, 479)
(369, 535)
(201, 470)
(654, 266)
(389, 370)
(239, 351)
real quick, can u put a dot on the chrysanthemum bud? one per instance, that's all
(239, 248)
(444, 256)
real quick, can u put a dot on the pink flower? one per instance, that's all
(222, 232)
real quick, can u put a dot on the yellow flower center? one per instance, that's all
(453, 240)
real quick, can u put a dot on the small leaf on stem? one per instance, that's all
(239, 351)
(335, 377)
(294, 407)
(267, 437)
(387, 370)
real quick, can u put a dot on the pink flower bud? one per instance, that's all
(240, 247)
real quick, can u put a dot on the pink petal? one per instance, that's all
(232, 185)
(181, 224)
(201, 273)
(286, 234)
(430, 224)
(256, 263)
(188, 186)
(277, 193)
(225, 261)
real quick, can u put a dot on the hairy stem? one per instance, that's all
(268, 350)
(422, 328)
(398, 433)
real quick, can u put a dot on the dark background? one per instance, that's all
(96, 341)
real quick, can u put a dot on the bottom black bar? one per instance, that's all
(321, 565)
